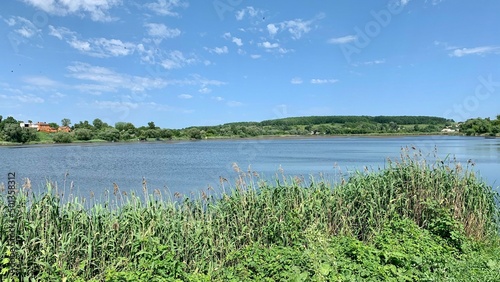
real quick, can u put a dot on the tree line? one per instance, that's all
(480, 126)
(11, 131)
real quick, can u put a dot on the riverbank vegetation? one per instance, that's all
(419, 219)
(97, 130)
(479, 126)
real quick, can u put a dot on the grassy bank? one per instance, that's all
(415, 220)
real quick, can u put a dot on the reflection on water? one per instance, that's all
(191, 166)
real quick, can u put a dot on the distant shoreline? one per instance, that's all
(220, 138)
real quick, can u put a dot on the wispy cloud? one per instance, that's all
(23, 26)
(268, 45)
(218, 50)
(23, 98)
(161, 31)
(297, 27)
(166, 7)
(96, 79)
(96, 47)
(97, 10)
(483, 50)
(255, 56)
(296, 80)
(343, 39)
(205, 90)
(249, 12)
(369, 63)
(323, 81)
(185, 96)
(40, 81)
(176, 59)
(234, 104)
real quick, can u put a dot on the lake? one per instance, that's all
(191, 166)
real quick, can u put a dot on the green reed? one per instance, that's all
(65, 238)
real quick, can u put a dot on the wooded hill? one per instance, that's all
(312, 120)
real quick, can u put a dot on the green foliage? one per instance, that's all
(62, 137)
(53, 125)
(110, 134)
(65, 122)
(15, 133)
(151, 262)
(479, 126)
(83, 134)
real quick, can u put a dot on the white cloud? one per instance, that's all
(97, 9)
(296, 80)
(96, 47)
(60, 32)
(205, 90)
(166, 7)
(234, 104)
(100, 79)
(268, 45)
(250, 11)
(323, 81)
(176, 59)
(343, 40)
(24, 98)
(297, 27)
(483, 50)
(404, 2)
(185, 96)
(226, 35)
(40, 81)
(161, 30)
(272, 29)
(115, 105)
(218, 98)
(434, 2)
(23, 27)
(237, 41)
(255, 56)
(369, 63)
(445, 45)
(218, 50)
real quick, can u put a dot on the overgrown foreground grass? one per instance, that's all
(413, 221)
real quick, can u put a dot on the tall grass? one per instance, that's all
(66, 238)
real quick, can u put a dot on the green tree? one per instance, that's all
(110, 134)
(15, 133)
(83, 134)
(65, 122)
(98, 124)
(53, 125)
(151, 125)
(194, 133)
(62, 137)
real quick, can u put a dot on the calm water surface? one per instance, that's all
(192, 166)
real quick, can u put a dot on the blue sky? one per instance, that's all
(181, 63)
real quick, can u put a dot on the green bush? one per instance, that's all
(62, 137)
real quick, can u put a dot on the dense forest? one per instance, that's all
(97, 130)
